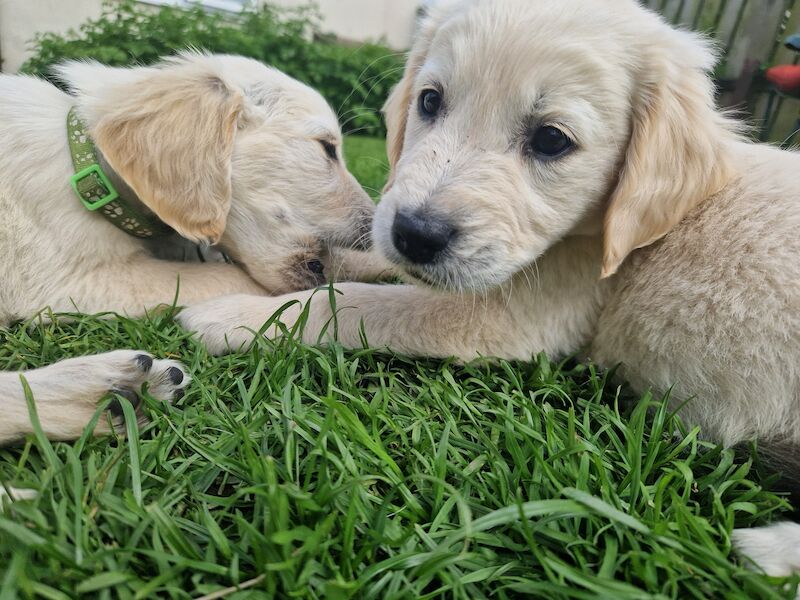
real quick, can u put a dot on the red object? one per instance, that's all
(785, 77)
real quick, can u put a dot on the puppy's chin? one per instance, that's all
(457, 276)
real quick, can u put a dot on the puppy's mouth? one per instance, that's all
(478, 273)
(441, 277)
(447, 255)
(422, 276)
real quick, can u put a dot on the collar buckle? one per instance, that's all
(93, 187)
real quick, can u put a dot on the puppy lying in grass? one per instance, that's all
(215, 150)
(564, 183)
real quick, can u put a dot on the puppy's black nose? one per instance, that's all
(420, 238)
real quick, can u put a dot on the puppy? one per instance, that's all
(214, 150)
(220, 150)
(562, 183)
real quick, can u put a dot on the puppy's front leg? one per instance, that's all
(134, 287)
(407, 319)
(552, 310)
(66, 393)
(403, 318)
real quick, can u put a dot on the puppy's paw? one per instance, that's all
(229, 324)
(164, 380)
(775, 549)
(67, 393)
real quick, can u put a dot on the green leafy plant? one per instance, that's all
(355, 80)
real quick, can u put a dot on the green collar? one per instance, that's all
(95, 191)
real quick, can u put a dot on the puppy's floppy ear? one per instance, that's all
(677, 154)
(168, 131)
(397, 106)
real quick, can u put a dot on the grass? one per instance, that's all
(366, 158)
(297, 472)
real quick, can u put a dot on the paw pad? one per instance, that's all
(145, 362)
(115, 408)
(175, 375)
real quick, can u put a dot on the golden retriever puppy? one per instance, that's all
(216, 150)
(219, 150)
(562, 183)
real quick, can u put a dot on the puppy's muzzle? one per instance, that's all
(358, 236)
(363, 231)
(419, 237)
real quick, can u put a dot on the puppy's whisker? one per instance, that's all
(378, 79)
(359, 243)
(510, 293)
(485, 294)
(359, 130)
(474, 301)
(377, 161)
(359, 111)
(352, 114)
(368, 67)
(527, 279)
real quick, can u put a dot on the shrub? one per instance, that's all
(355, 80)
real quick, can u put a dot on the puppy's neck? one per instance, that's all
(169, 247)
(125, 191)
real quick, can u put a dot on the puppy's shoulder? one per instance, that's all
(752, 223)
(732, 261)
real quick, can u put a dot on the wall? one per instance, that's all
(20, 20)
(358, 20)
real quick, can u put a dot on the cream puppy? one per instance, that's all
(216, 150)
(221, 149)
(563, 183)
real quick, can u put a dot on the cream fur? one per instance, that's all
(224, 149)
(67, 393)
(66, 396)
(664, 241)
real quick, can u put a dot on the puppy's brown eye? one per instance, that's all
(549, 142)
(430, 103)
(330, 149)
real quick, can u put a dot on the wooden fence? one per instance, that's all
(751, 34)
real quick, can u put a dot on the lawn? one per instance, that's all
(298, 472)
(366, 158)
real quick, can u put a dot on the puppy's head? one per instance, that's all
(228, 151)
(518, 123)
